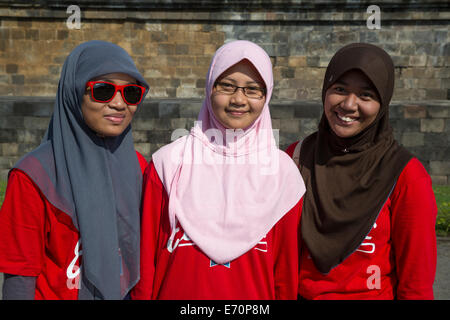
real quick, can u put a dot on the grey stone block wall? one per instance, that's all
(423, 128)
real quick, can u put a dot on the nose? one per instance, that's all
(117, 102)
(238, 98)
(350, 102)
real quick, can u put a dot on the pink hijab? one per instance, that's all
(228, 188)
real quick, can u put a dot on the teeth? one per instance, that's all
(346, 119)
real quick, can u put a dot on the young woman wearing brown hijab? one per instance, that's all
(369, 211)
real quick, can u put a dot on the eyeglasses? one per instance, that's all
(102, 91)
(250, 92)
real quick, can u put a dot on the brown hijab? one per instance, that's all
(348, 180)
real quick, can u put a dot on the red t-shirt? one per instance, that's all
(180, 270)
(37, 239)
(397, 259)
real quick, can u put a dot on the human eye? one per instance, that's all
(253, 88)
(367, 95)
(225, 86)
(254, 92)
(339, 89)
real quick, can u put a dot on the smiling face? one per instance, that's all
(110, 118)
(351, 104)
(237, 111)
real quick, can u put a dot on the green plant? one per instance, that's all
(2, 191)
(442, 194)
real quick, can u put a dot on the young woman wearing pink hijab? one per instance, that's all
(220, 206)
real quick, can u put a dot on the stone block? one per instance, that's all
(281, 111)
(18, 79)
(430, 152)
(418, 61)
(396, 110)
(34, 107)
(40, 123)
(412, 139)
(32, 34)
(4, 174)
(159, 136)
(17, 34)
(166, 49)
(308, 126)
(405, 125)
(297, 61)
(276, 123)
(440, 180)
(9, 149)
(436, 140)
(151, 124)
(411, 111)
(11, 68)
(439, 111)
(169, 110)
(148, 109)
(287, 73)
(440, 167)
(8, 135)
(6, 108)
(285, 94)
(290, 125)
(438, 94)
(26, 147)
(431, 125)
(190, 108)
(62, 34)
(308, 110)
(11, 122)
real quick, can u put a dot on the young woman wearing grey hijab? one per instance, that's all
(69, 224)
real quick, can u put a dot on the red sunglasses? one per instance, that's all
(102, 91)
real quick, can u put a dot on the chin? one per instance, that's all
(343, 134)
(110, 133)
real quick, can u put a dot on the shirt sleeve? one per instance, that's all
(154, 200)
(291, 148)
(22, 219)
(142, 162)
(18, 287)
(286, 255)
(414, 213)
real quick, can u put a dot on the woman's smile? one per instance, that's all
(236, 113)
(116, 118)
(346, 120)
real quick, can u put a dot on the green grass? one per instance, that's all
(2, 191)
(442, 194)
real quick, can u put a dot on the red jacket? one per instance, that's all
(37, 239)
(397, 260)
(180, 270)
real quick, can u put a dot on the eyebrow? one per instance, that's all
(111, 80)
(346, 84)
(248, 82)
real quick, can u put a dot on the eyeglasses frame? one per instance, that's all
(264, 91)
(117, 87)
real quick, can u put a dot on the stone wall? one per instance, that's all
(423, 128)
(172, 43)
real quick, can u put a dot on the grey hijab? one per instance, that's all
(96, 181)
